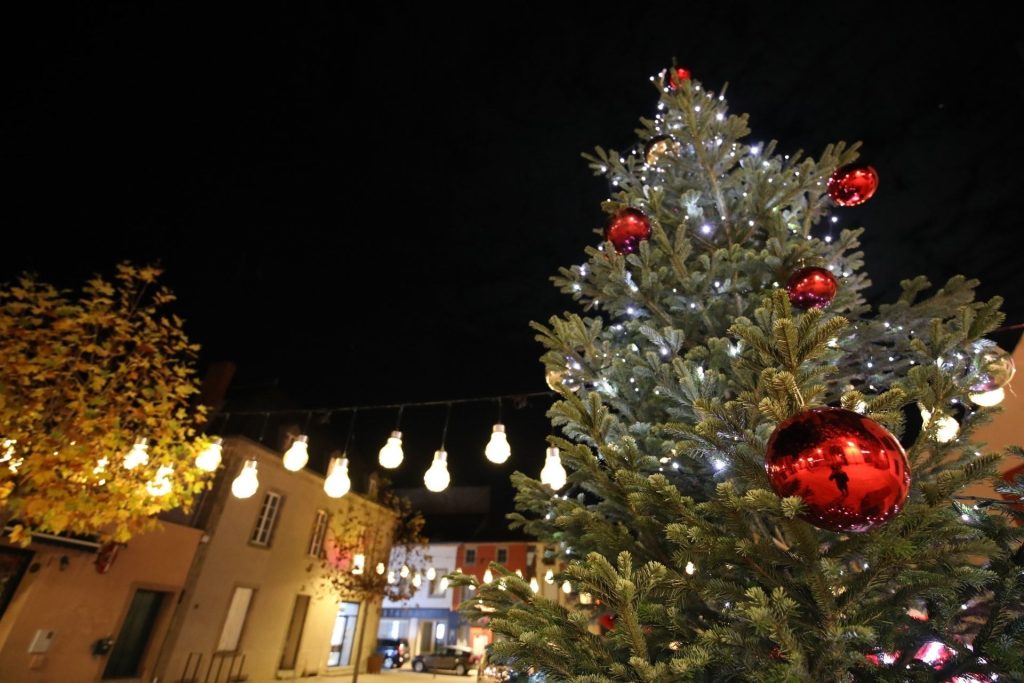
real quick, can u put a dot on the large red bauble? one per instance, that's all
(853, 184)
(811, 287)
(607, 621)
(674, 76)
(851, 471)
(627, 229)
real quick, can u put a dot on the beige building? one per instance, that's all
(256, 604)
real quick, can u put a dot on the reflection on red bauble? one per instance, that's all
(627, 229)
(607, 621)
(674, 76)
(853, 184)
(850, 471)
(811, 287)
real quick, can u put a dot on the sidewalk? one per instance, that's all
(405, 675)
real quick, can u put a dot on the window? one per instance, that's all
(343, 634)
(435, 585)
(264, 530)
(502, 556)
(231, 633)
(294, 636)
(316, 543)
(470, 555)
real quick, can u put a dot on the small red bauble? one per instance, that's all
(607, 621)
(674, 76)
(627, 229)
(851, 471)
(853, 184)
(811, 287)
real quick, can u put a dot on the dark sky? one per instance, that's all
(364, 207)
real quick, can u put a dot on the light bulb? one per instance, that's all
(297, 455)
(519, 573)
(161, 485)
(391, 454)
(137, 455)
(444, 583)
(534, 584)
(246, 483)
(437, 478)
(404, 573)
(337, 483)
(417, 580)
(586, 599)
(566, 587)
(691, 568)
(381, 568)
(391, 577)
(431, 574)
(358, 563)
(549, 577)
(946, 428)
(987, 399)
(553, 473)
(498, 450)
(209, 458)
(488, 576)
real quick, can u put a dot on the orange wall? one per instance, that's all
(82, 605)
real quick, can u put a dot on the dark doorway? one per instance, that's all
(13, 563)
(294, 637)
(133, 640)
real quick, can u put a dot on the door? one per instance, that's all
(126, 658)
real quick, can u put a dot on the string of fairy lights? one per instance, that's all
(337, 483)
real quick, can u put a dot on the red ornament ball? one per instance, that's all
(853, 184)
(673, 77)
(812, 287)
(627, 229)
(607, 621)
(851, 471)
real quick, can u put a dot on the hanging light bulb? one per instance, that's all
(391, 576)
(498, 450)
(488, 576)
(549, 577)
(246, 483)
(431, 574)
(358, 563)
(417, 580)
(137, 455)
(987, 399)
(391, 454)
(553, 473)
(161, 484)
(337, 483)
(444, 583)
(519, 573)
(381, 568)
(946, 428)
(534, 584)
(297, 455)
(437, 478)
(209, 459)
(566, 587)
(404, 572)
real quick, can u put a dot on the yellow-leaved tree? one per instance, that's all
(83, 379)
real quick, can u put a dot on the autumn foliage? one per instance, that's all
(82, 377)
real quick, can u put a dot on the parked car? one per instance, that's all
(495, 672)
(449, 659)
(394, 651)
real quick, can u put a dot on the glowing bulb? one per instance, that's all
(381, 568)
(586, 599)
(358, 563)
(566, 587)
(498, 450)
(391, 454)
(246, 483)
(549, 577)
(161, 485)
(488, 576)
(519, 573)
(337, 483)
(553, 473)
(391, 577)
(431, 574)
(946, 428)
(209, 458)
(137, 455)
(437, 478)
(444, 583)
(404, 572)
(691, 568)
(988, 399)
(417, 580)
(297, 455)
(534, 584)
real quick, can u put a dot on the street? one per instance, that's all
(407, 675)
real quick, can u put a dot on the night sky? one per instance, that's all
(365, 209)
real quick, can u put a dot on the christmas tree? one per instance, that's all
(739, 505)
